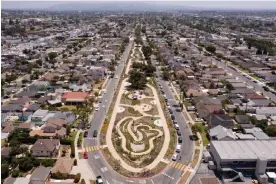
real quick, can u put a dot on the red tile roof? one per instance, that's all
(75, 95)
(255, 96)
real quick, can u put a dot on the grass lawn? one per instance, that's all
(203, 134)
(72, 135)
(69, 107)
(255, 76)
(76, 123)
(188, 104)
(135, 102)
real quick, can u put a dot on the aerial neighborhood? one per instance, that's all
(138, 97)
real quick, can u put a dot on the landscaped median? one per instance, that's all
(137, 134)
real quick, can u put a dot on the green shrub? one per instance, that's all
(15, 173)
(77, 178)
(72, 149)
(47, 162)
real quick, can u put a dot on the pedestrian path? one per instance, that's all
(178, 166)
(92, 148)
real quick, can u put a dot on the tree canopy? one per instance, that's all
(137, 79)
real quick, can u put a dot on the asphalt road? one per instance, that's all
(96, 160)
(187, 145)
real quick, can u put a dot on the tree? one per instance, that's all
(137, 79)
(196, 128)
(64, 55)
(212, 85)
(259, 52)
(15, 173)
(229, 86)
(166, 75)
(39, 62)
(25, 164)
(271, 131)
(211, 48)
(4, 171)
(52, 55)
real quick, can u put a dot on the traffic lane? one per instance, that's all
(169, 176)
(249, 82)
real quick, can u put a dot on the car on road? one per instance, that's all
(254, 81)
(174, 157)
(170, 110)
(85, 155)
(265, 88)
(85, 134)
(97, 108)
(178, 148)
(176, 126)
(180, 139)
(178, 133)
(198, 119)
(99, 180)
(95, 133)
(116, 76)
(172, 117)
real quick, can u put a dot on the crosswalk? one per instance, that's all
(92, 148)
(178, 166)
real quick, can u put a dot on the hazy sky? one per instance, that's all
(8, 4)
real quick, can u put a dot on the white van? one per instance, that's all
(178, 148)
(176, 126)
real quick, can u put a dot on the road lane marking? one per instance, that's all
(165, 174)
(177, 165)
(96, 156)
(142, 181)
(103, 169)
(131, 181)
(152, 181)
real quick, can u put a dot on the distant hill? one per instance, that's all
(116, 6)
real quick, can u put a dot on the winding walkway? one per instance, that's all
(110, 145)
(140, 137)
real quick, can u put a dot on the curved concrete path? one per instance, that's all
(124, 141)
(110, 145)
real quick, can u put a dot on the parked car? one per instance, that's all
(265, 88)
(97, 108)
(85, 134)
(85, 155)
(172, 117)
(198, 119)
(174, 157)
(178, 133)
(99, 180)
(95, 133)
(170, 110)
(180, 139)
(176, 126)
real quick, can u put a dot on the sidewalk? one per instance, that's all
(184, 107)
(82, 166)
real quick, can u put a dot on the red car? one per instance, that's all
(85, 155)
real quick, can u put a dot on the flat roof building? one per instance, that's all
(258, 156)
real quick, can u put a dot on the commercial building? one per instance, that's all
(257, 156)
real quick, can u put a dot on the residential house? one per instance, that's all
(74, 98)
(45, 147)
(206, 106)
(25, 126)
(267, 111)
(220, 119)
(40, 175)
(243, 121)
(221, 133)
(24, 116)
(63, 166)
(38, 116)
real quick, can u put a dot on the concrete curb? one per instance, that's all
(199, 160)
